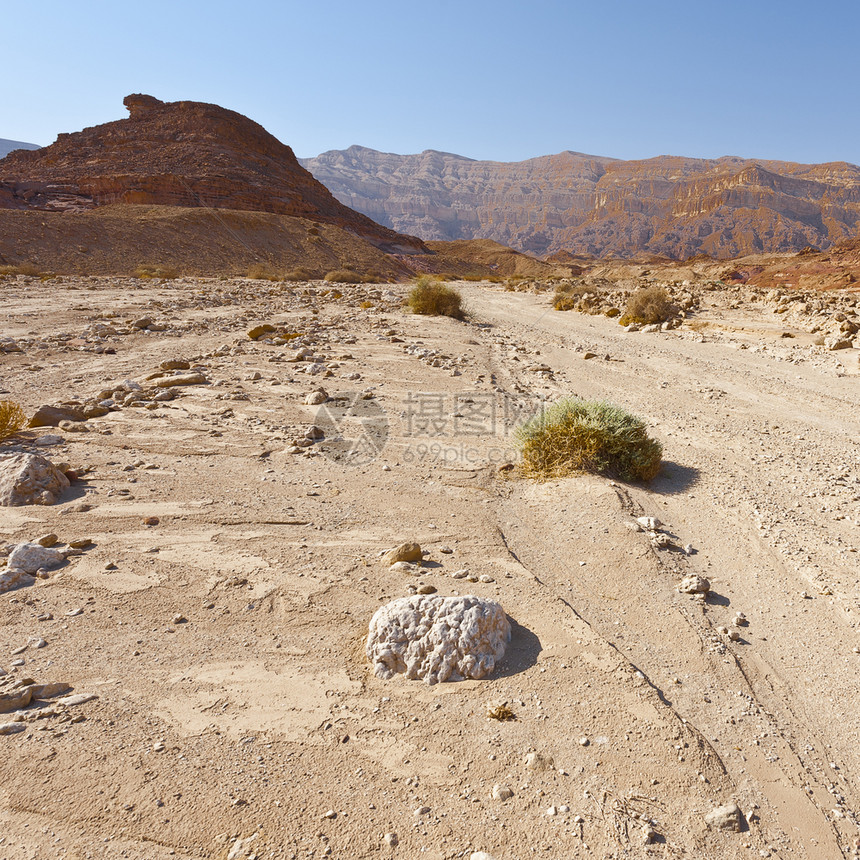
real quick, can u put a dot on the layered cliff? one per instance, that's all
(678, 207)
(179, 154)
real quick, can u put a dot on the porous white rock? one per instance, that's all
(28, 479)
(438, 638)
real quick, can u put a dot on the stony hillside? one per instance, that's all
(678, 207)
(179, 154)
(6, 146)
(123, 239)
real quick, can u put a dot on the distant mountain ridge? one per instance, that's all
(668, 205)
(7, 146)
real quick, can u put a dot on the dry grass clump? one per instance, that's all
(587, 436)
(259, 272)
(12, 418)
(167, 273)
(568, 296)
(20, 269)
(648, 305)
(343, 276)
(433, 298)
(300, 274)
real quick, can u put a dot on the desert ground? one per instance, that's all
(212, 630)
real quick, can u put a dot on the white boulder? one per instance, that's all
(30, 557)
(438, 638)
(28, 479)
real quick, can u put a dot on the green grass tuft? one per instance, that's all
(587, 436)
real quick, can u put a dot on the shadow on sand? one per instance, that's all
(522, 652)
(674, 478)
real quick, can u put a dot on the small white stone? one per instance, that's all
(650, 523)
(502, 792)
(330, 814)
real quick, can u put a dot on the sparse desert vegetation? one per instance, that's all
(19, 269)
(648, 305)
(343, 276)
(575, 435)
(12, 418)
(431, 297)
(166, 273)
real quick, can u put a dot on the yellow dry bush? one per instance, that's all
(649, 305)
(12, 418)
(167, 273)
(343, 276)
(433, 298)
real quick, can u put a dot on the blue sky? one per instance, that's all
(491, 80)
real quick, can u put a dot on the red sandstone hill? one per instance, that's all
(677, 207)
(180, 154)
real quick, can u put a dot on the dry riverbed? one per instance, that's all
(208, 629)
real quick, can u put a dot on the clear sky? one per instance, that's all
(498, 80)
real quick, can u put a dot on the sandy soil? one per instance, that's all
(236, 715)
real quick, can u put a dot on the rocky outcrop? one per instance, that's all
(179, 154)
(28, 479)
(571, 202)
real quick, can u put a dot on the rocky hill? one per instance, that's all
(7, 146)
(678, 207)
(180, 154)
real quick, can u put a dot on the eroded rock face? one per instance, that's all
(28, 479)
(180, 154)
(679, 207)
(438, 638)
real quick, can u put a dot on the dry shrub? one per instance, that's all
(300, 274)
(587, 436)
(649, 305)
(167, 273)
(568, 296)
(343, 276)
(20, 269)
(433, 298)
(366, 304)
(12, 418)
(259, 272)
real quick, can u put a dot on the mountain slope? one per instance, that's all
(179, 154)
(7, 146)
(679, 207)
